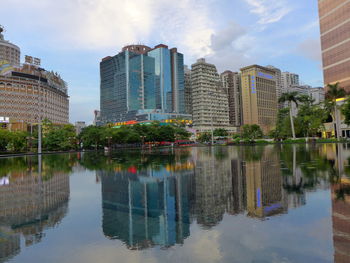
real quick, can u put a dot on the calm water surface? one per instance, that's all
(286, 203)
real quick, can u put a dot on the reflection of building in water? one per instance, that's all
(341, 221)
(238, 200)
(265, 196)
(9, 244)
(214, 185)
(147, 207)
(29, 204)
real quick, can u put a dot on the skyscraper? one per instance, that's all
(335, 41)
(209, 99)
(231, 82)
(259, 100)
(188, 90)
(141, 79)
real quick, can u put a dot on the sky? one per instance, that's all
(72, 36)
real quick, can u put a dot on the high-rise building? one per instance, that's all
(8, 51)
(289, 79)
(335, 41)
(280, 87)
(231, 82)
(29, 93)
(141, 79)
(209, 99)
(259, 99)
(188, 90)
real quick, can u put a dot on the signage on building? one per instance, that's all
(31, 60)
(4, 120)
(5, 67)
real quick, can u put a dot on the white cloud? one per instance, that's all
(269, 11)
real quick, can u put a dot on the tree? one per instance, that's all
(252, 132)
(17, 141)
(60, 138)
(204, 137)
(93, 137)
(282, 130)
(309, 120)
(290, 97)
(346, 112)
(4, 139)
(220, 132)
(333, 93)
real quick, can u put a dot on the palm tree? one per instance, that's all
(335, 92)
(290, 97)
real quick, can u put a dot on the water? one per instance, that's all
(221, 204)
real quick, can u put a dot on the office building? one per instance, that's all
(231, 82)
(259, 99)
(335, 41)
(141, 79)
(29, 93)
(209, 99)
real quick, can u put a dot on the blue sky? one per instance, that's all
(71, 36)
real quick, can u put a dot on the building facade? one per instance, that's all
(280, 87)
(231, 82)
(335, 41)
(209, 99)
(188, 90)
(9, 52)
(259, 99)
(140, 78)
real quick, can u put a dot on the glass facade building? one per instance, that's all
(149, 79)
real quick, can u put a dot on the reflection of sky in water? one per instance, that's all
(4, 181)
(271, 217)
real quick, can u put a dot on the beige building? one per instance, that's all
(259, 99)
(8, 51)
(209, 99)
(29, 93)
(335, 41)
(231, 82)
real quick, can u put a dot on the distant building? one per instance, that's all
(335, 41)
(97, 116)
(280, 87)
(209, 99)
(317, 94)
(259, 99)
(141, 79)
(9, 52)
(289, 79)
(79, 126)
(231, 82)
(28, 92)
(188, 90)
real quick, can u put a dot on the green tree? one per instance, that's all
(290, 97)
(60, 138)
(333, 93)
(4, 139)
(17, 141)
(346, 112)
(282, 130)
(93, 137)
(220, 132)
(204, 137)
(252, 132)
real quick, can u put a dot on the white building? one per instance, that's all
(318, 94)
(209, 100)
